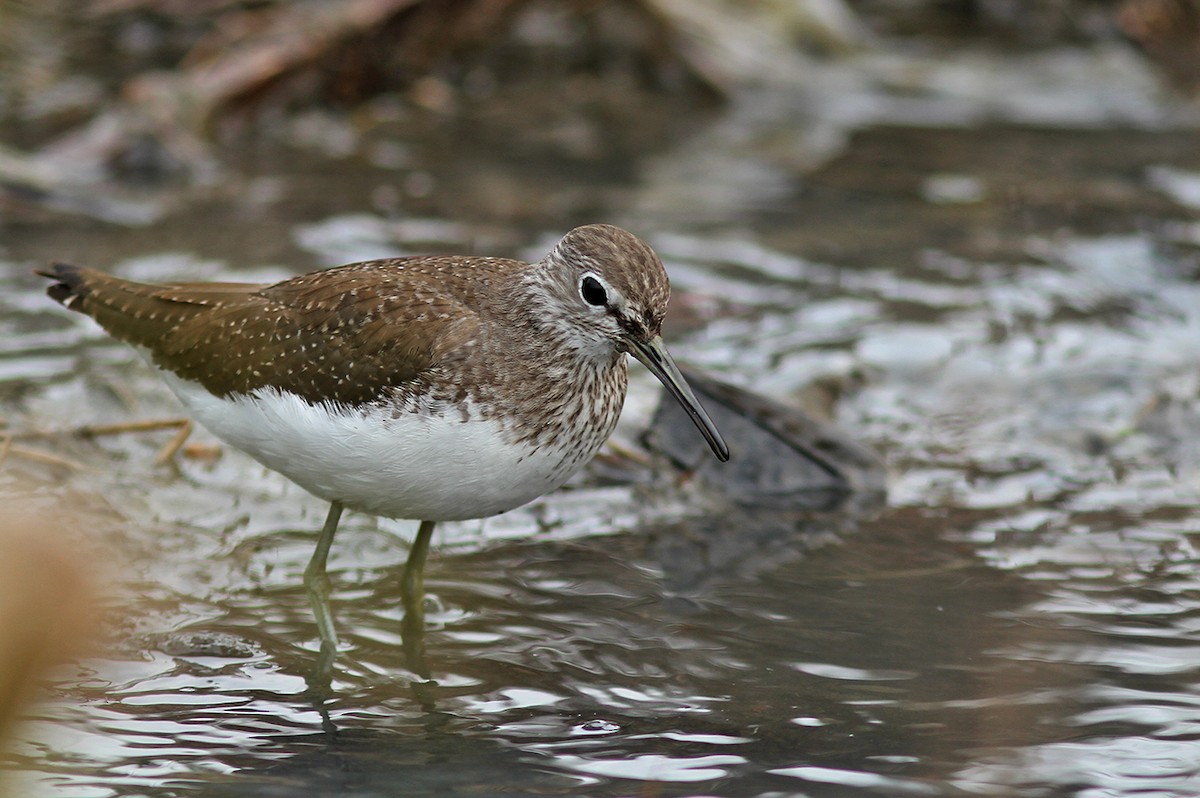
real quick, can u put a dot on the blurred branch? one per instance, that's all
(1169, 32)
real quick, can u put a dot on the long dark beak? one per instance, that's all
(654, 355)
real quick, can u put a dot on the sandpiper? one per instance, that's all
(433, 388)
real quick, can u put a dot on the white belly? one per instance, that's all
(431, 468)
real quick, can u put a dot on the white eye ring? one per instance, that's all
(593, 291)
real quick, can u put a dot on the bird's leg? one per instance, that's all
(412, 591)
(316, 581)
(412, 583)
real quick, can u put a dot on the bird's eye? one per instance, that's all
(592, 291)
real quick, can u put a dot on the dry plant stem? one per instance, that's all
(8, 449)
(98, 430)
(166, 454)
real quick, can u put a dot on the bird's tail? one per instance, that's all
(69, 286)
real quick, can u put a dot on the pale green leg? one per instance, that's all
(316, 581)
(412, 592)
(412, 583)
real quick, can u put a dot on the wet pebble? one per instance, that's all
(205, 644)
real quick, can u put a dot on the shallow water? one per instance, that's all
(1009, 313)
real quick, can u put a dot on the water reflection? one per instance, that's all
(569, 660)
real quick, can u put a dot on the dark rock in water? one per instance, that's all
(780, 458)
(792, 484)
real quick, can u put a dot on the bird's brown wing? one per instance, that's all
(346, 335)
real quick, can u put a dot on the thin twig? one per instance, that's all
(168, 452)
(120, 428)
(39, 456)
(165, 455)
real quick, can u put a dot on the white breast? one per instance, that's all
(426, 467)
